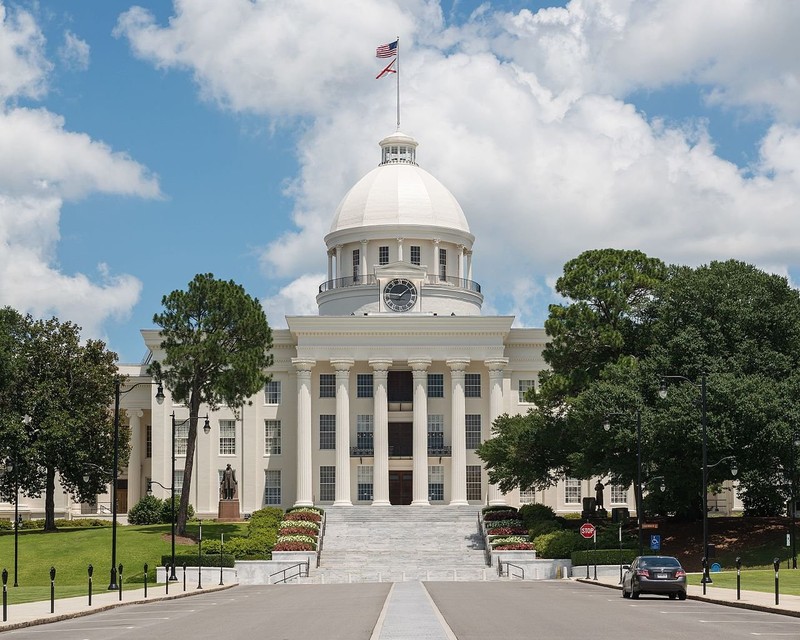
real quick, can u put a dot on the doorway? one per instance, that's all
(401, 487)
(401, 439)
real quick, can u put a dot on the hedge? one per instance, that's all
(207, 560)
(558, 544)
(603, 556)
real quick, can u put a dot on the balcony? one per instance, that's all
(370, 280)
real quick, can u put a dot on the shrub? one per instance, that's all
(494, 516)
(78, 523)
(531, 513)
(146, 511)
(5, 525)
(206, 560)
(166, 510)
(31, 524)
(266, 518)
(540, 527)
(502, 523)
(497, 507)
(557, 544)
(603, 556)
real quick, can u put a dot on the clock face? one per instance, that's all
(400, 294)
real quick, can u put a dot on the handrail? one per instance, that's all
(299, 574)
(369, 279)
(461, 283)
(321, 537)
(487, 553)
(500, 564)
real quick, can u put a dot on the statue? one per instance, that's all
(229, 483)
(598, 495)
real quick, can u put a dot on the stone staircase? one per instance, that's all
(400, 543)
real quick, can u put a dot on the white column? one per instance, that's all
(461, 261)
(363, 262)
(458, 432)
(469, 265)
(400, 249)
(380, 470)
(338, 261)
(305, 494)
(342, 367)
(436, 250)
(495, 366)
(419, 368)
(135, 457)
(330, 265)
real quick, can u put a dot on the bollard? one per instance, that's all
(776, 562)
(738, 578)
(145, 579)
(200, 557)
(5, 594)
(705, 562)
(587, 564)
(91, 571)
(52, 589)
(221, 544)
(119, 574)
(166, 576)
(184, 576)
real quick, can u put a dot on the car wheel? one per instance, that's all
(634, 593)
(672, 596)
(681, 595)
(625, 593)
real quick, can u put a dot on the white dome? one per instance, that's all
(399, 193)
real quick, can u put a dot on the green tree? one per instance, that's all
(66, 388)
(216, 341)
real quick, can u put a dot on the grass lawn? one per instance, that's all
(71, 551)
(755, 580)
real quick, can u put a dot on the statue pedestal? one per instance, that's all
(229, 511)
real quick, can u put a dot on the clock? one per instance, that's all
(400, 294)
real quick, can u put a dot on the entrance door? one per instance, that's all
(400, 487)
(401, 439)
(122, 496)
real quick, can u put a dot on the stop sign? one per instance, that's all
(587, 530)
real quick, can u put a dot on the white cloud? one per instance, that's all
(23, 66)
(296, 298)
(523, 117)
(41, 165)
(74, 52)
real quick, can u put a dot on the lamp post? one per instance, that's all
(662, 392)
(10, 466)
(206, 430)
(112, 585)
(793, 506)
(639, 513)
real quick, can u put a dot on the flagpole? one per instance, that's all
(398, 83)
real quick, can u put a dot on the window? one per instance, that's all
(364, 476)
(227, 437)
(619, 494)
(473, 482)
(327, 484)
(435, 432)
(473, 428)
(272, 487)
(436, 385)
(364, 430)
(272, 392)
(181, 438)
(572, 491)
(527, 496)
(177, 483)
(383, 255)
(327, 431)
(524, 387)
(272, 437)
(327, 385)
(148, 442)
(356, 264)
(415, 255)
(436, 483)
(364, 385)
(472, 385)
(442, 264)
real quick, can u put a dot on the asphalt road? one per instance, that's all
(473, 611)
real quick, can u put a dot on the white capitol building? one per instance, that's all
(379, 400)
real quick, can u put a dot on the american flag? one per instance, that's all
(386, 50)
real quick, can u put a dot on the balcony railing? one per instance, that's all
(370, 280)
(369, 452)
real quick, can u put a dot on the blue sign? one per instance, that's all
(655, 542)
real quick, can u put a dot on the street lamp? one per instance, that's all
(639, 514)
(206, 430)
(662, 392)
(793, 506)
(112, 585)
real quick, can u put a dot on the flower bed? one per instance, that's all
(299, 530)
(515, 546)
(506, 531)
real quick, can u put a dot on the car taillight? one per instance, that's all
(680, 574)
(643, 572)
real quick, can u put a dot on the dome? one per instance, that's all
(399, 193)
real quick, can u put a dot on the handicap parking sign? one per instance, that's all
(655, 542)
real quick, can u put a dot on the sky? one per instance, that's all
(143, 143)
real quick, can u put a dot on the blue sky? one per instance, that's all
(142, 143)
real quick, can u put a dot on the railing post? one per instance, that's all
(119, 576)
(738, 578)
(776, 563)
(166, 577)
(5, 594)
(145, 579)
(52, 589)
(91, 570)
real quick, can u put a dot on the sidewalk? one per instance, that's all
(755, 600)
(38, 612)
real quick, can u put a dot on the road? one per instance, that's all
(473, 611)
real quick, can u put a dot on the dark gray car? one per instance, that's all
(662, 575)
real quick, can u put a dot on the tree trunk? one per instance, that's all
(49, 501)
(191, 443)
